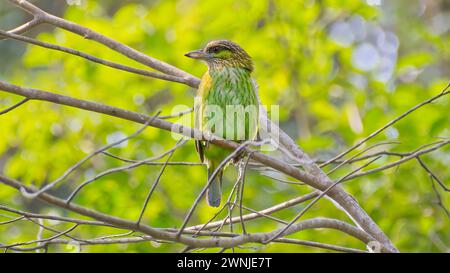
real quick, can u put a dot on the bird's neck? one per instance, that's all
(229, 72)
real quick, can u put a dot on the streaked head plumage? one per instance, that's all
(223, 53)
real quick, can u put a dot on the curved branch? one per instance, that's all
(95, 59)
(23, 28)
(319, 181)
(112, 44)
(259, 214)
(400, 161)
(444, 92)
(14, 106)
(172, 235)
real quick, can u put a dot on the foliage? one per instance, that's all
(314, 58)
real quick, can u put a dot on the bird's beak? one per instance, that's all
(196, 54)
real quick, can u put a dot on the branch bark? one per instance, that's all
(313, 175)
(320, 181)
(112, 44)
(171, 235)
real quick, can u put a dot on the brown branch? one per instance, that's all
(354, 157)
(388, 153)
(143, 239)
(241, 197)
(181, 163)
(152, 189)
(400, 161)
(208, 184)
(119, 169)
(112, 44)
(14, 106)
(95, 59)
(172, 235)
(322, 194)
(79, 163)
(12, 220)
(431, 173)
(439, 202)
(444, 92)
(52, 217)
(41, 240)
(259, 214)
(23, 28)
(177, 115)
(320, 181)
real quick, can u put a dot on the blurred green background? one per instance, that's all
(338, 69)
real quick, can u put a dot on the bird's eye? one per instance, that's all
(215, 49)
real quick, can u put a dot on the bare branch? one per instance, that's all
(164, 234)
(74, 167)
(303, 211)
(143, 239)
(400, 161)
(319, 181)
(440, 203)
(112, 44)
(261, 213)
(52, 217)
(210, 179)
(14, 106)
(241, 193)
(177, 115)
(41, 240)
(95, 59)
(154, 163)
(154, 187)
(12, 220)
(444, 92)
(433, 176)
(120, 169)
(356, 156)
(23, 28)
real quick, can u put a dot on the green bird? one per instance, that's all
(226, 105)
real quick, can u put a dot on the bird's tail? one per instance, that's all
(214, 191)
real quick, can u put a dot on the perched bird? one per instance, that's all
(225, 88)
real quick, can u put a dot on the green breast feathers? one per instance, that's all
(227, 105)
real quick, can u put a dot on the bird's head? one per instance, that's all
(221, 54)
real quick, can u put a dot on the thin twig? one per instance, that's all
(208, 184)
(52, 217)
(439, 198)
(358, 154)
(444, 92)
(244, 231)
(154, 163)
(262, 213)
(12, 220)
(14, 106)
(93, 58)
(433, 176)
(303, 211)
(400, 161)
(152, 189)
(119, 169)
(41, 240)
(106, 41)
(79, 163)
(198, 243)
(24, 28)
(177, 115)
